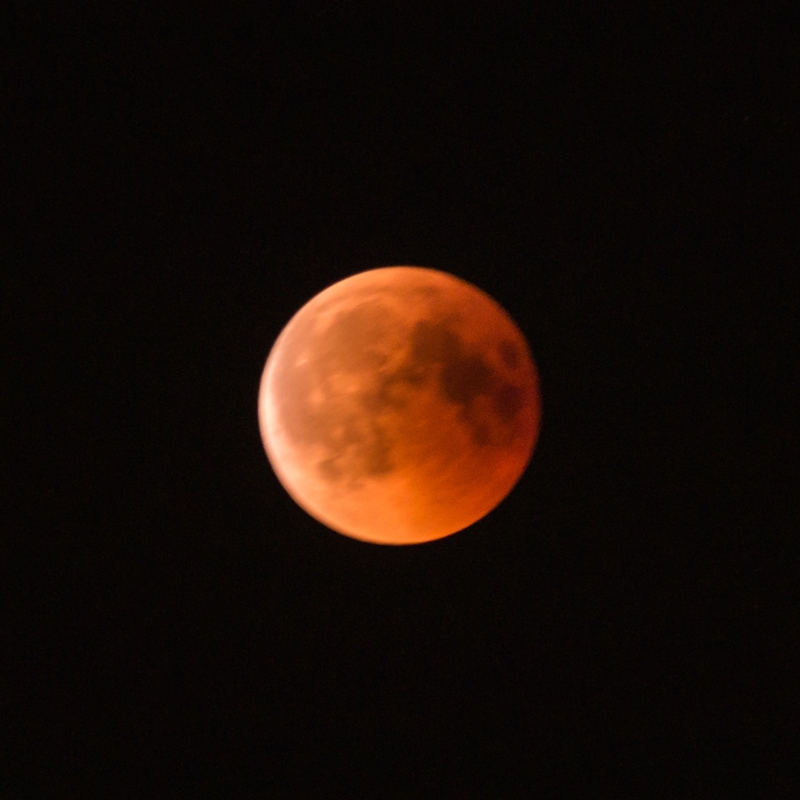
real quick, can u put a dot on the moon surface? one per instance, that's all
(399, 405)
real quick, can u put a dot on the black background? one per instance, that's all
(180, 182)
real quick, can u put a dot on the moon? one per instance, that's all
(399, 405)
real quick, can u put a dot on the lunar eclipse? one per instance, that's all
(399, 405)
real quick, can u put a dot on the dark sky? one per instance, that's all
(179, 183)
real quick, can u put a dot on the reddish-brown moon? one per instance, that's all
(399, 405)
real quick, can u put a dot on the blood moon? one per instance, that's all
(399, 405)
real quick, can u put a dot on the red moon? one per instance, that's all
(399, 405)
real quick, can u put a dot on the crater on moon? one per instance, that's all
(399, 405)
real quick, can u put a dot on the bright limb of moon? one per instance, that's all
(399, 405)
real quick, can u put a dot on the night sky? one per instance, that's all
(180, 183)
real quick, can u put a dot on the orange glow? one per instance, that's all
(399, 405)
